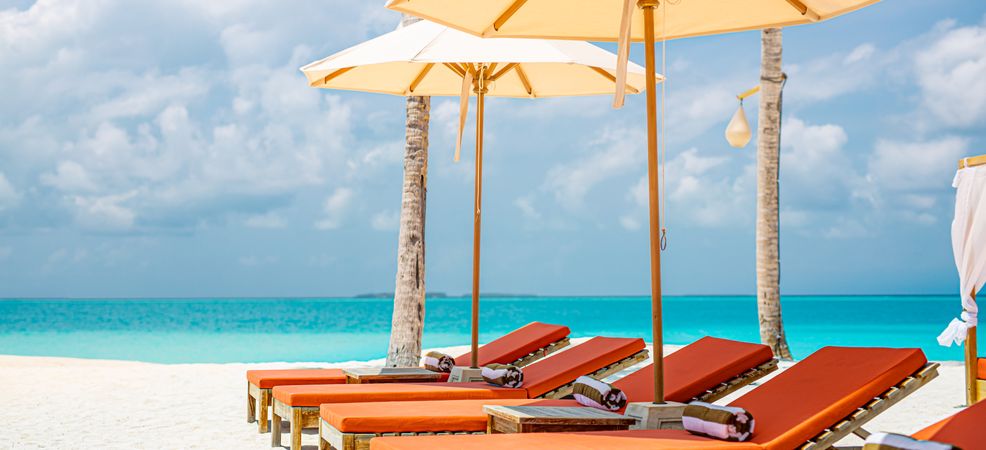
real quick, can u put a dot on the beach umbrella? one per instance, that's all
(968, 240)
(625, 21)
(428, 59)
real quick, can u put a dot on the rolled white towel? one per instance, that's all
(503, 375)
(591, 392)
(438, 362)
(890, 441)
(719, 422)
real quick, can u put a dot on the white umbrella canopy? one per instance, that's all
(427, 59)
(415, 60)
(599, 20)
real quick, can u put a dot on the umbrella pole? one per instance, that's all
(971, 366)
(654, 196)
(480, 89)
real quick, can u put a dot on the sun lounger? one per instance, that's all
(519, 347)
(549, 378)
(810, 406)
(705, 370)
(965, 430)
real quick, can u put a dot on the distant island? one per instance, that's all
(445, 295)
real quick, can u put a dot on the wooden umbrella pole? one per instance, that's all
(655, 204)
(480, 90)
(971, 366)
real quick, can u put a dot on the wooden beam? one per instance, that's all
(420, 77)
(972, 161)
(508, 14)
(502, 71)
(612, 79)
(455, 68)
(325, 80)
(804, 10)
(971, 369)
(524, 80)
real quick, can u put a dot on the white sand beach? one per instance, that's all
(56, 403)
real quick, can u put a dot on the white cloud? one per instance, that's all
(629, 222)
(701, 190)
(622, 151)
(8, 196)
(154, 108)
(335, 208)
(270, 220)
(951, 72)
(815, 171)
(914, 167)
(526, 206)
(837, 74)
(69, 176)
(106, 212)
(386, 220)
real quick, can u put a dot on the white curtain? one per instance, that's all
(969, 247)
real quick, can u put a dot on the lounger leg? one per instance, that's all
(275, 432)
(251, 406)
(322, 444)
(264, 407)
(296, 428)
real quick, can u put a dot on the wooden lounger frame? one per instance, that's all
(853, 424)
(332, 439)
(308, 416)
(259, 400)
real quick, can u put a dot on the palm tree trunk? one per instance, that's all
(768, 194)
(408, 321)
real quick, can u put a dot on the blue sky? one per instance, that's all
(152, 148)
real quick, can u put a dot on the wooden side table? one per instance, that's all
(367, 375)
(552, 419)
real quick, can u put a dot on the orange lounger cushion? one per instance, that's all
(982, 369)
(964, 430)
(417, 417)
(564, 367)
(823, 389)
(266, 379)
(516, 344)
(688, 372)
(315, 395)
(539, 378)
(622, 440)
(697, 367)
(506, 349)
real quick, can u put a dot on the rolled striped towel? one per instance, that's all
(591, 392)
(719, 422)
(439, 362)
(503, 375)
(889, 441)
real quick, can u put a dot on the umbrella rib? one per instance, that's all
(331, 76)
(612, 78)
(524, 80)
(516, 5)
(420, 77)
(455, 68)
(503, 71)
(804, 10)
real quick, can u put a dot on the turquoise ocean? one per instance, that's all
(345, 329)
